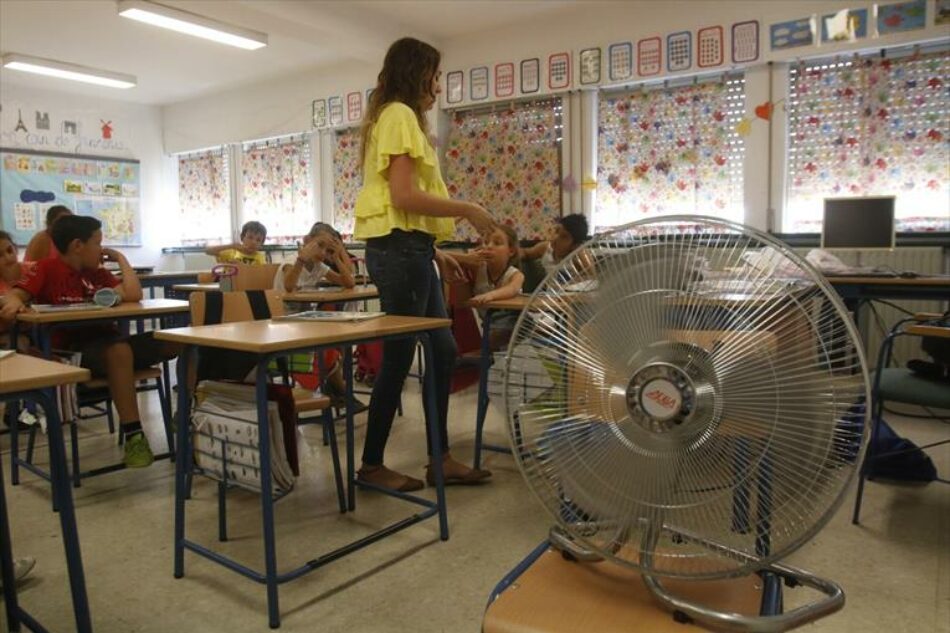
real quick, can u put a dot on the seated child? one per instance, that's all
(74, 276)
(321, 257)
(11, 271)
(570, 232)
(41, 245)
(493, 273)
(247, 251)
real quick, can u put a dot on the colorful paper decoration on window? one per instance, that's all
(319, 113)
(504, 80)
(679, 51)
(478, 83)
(792, 34)
(336, 110)
(620, 62)
(354, 106)
(590, 66)
(709, 47)
(530, 75)
(904, 16)
(454, 86)
(559, 71)
(745, 42)
(649, 56)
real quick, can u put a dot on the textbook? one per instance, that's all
(329, 315)
(66, 307)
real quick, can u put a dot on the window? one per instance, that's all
(508, 159)
(670, 151)
(870, 126)
(347, 179)
(204, 197)
(277, 187)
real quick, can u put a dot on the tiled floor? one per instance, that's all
(895, 567)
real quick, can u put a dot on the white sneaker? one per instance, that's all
(21, 568)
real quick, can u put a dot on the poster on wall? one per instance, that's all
(844, 26)
(106, 188)
(319, 113)
(590, 66)
(559, 71)
(904, 16)
(745, 41)
(620, 61)
(943, 13)
(454, 82)
(504, 79)
(478, 83)
(530, 75)
(709, 47)
(649, 56)
(791, 34)
(679, 51)
(354, 107)
(335, 105)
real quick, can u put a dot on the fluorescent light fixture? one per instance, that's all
(63, 70)
(191, 24)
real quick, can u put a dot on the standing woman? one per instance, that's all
(41, 245)
(402, 209)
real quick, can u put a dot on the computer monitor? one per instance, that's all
(858, 223)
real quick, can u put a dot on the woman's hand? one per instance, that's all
(480, 219)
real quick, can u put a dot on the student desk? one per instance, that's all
(28, 378)
(332, 294)
(167, 280)
(267, 340)
(857, 291)
(43, 323)
(186, 289)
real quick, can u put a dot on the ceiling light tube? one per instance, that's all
(191, 24)
(64, 70)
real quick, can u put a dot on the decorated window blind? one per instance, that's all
(204, 197)
(508, 159)
(347, 179)
(870, 126)
(277, 187)
(671, 151)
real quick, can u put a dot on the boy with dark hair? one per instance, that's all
(73, 277)
(247, 251)
(570, 232)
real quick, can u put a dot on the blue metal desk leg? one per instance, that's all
(482, 405)
(63, 499)
(267, 497)
(184, 457)
(6, 565)
(350, 435)
(435, 435)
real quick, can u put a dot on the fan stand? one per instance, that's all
(771, 618)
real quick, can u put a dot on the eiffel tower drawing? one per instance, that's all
(20, 126)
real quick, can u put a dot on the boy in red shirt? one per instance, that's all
(74, 276)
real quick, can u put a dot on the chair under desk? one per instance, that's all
(269, 339)
(28, 378)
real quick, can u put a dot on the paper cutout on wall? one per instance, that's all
(559, 71)
(569, 184)
(679, 51)
(744, 127)
(335, 105)
(791, 34)
(620, 61)
(649, 56)
(454, 86)
(530, 75)
(709, 47)
(844, 26)
(504, 80)
(590, 66)
(904, 16)
(745, 42)
(318, 117)
(478, 83)
(354, 106)
(943, 13)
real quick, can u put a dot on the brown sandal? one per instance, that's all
(473, 477)
(378, 475)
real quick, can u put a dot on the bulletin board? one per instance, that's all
(106, 188)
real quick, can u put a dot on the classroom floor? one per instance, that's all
(895, 568)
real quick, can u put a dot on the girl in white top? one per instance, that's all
(493, 270)
(321, 245)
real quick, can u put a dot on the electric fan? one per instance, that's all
(686, 396)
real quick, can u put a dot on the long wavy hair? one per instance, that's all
(406, 77)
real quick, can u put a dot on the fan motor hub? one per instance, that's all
(660, 397)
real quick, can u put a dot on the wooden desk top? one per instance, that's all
(262, 337)
(132, 310)
(162, 274)
(332, 294)
(22, 373)
(890, 281)
(209, 287)
(929, 330)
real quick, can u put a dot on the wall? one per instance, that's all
(136, 132)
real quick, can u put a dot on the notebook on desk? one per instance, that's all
(66, 307)
(329, 315)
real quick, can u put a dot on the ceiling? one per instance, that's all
(302, 34)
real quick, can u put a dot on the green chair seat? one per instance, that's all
(903, 385)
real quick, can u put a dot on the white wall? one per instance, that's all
(137, 133)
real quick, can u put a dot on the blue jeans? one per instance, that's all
(400, 265)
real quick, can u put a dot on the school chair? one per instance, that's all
(898, 384)
(250, 277)
(210, 308)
